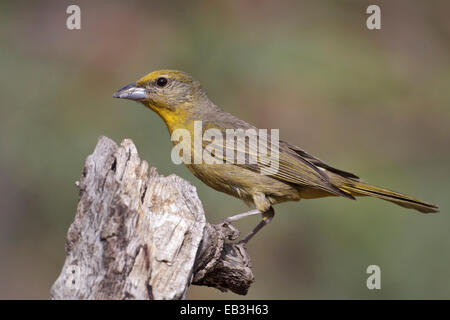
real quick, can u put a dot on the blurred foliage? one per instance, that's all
(372, 102)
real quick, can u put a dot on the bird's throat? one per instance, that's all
(174, 119)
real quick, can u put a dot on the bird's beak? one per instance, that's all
(131, 91)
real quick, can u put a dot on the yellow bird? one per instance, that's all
(181, 102)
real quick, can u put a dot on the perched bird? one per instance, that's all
(181, 101)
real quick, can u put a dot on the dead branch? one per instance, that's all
(139, 235)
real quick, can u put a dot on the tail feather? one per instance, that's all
(363, 189)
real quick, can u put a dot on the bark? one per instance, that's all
(140, 235)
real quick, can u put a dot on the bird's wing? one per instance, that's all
(319, 163)
(291, 166)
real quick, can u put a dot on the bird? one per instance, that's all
(181, 102)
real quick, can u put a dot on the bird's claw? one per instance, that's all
(232, 232)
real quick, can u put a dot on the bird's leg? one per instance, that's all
(240, 216)
(228, 221)
(267, 216)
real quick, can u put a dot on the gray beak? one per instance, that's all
(131, 92)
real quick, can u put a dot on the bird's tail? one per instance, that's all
(357, 188)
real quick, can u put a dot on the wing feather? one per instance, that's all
(292, 167)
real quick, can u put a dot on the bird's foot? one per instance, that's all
(232, 233)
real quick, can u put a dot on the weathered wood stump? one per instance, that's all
(139, 235)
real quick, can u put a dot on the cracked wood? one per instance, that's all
(139, 235)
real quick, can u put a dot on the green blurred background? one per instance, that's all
(376, 103)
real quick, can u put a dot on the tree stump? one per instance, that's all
(140, 235)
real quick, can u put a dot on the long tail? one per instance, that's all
(357, 188)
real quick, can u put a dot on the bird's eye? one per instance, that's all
(161, 82)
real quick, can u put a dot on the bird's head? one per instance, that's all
(167, 92)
